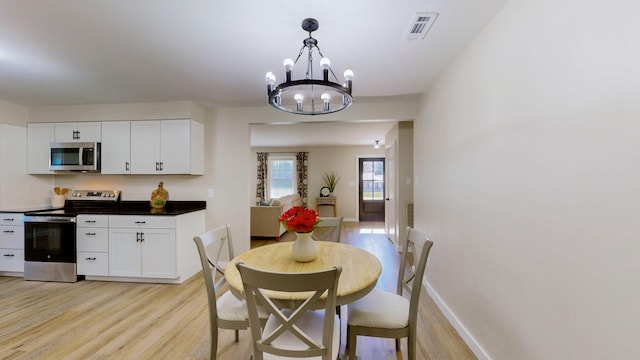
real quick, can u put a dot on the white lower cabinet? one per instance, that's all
(11, 242)
(92, 241)
(142, 246)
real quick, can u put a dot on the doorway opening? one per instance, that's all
(371, 193)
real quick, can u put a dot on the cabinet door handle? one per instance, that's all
(90, 234)
(161, 166)
(138, 236)
(9, 255)
(8, 231)
(141, 237)
(157, 166)
(126, 166)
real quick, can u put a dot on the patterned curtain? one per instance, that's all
(302, 163)
(262, 177)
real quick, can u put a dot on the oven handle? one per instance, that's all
(48, 219)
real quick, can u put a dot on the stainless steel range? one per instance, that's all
(50, 236)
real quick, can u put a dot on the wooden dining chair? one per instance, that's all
(328, 229)
(301, 331)
(225, 310)
(391, 315)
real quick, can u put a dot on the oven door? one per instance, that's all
(50, 239)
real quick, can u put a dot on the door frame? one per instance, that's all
(358, 180)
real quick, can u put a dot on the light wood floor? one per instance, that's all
(110, 320)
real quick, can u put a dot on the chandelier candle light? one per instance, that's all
(302, 221)
(310, 96)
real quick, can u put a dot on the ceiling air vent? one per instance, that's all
(420, 25)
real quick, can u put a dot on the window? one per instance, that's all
(373, 180)
(281, 174)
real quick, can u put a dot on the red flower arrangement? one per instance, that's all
(299, 219)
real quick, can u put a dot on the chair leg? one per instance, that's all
(352, 339)
(237, 335)
(214, 343)
(411, 347)
(397, 344)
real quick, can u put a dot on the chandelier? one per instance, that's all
(310, 96)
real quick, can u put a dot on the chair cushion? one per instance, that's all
(231, 308)
(380, 309)
(311, 323)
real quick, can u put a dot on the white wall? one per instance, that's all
(16, 187)
(527, 179)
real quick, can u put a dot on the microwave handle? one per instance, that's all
(81, 157)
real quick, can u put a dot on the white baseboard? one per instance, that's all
(464, 333)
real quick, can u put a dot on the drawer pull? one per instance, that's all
(7, 219)
(90, 234)
(90, 221)
(141, 222)
(8, 231)
(9, 255)
(90, 259)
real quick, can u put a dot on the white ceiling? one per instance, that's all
(71, 52)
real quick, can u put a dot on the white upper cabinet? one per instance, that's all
(77, 132)
(39, 135)
(167, 147)
(116, 151)
(145, 147)
(128, 147)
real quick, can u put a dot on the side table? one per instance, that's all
(327, 201)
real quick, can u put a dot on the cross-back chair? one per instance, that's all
(298, 332)
(225, 310)
(391, 315)
(328, 229)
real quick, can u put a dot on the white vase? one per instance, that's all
(304, 247)
(57, 201)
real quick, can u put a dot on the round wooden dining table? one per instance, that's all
(360, 269)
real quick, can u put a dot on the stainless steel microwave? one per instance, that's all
(74, 156)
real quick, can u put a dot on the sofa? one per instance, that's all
(264, 218)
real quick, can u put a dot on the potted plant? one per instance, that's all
(331, 180)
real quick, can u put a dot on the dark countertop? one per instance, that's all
(172, 208)
(30, 209)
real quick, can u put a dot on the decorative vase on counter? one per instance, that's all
(159, 197)
(304, 247)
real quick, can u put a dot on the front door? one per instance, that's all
(371, 193)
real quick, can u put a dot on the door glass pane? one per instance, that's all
(372, 180)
